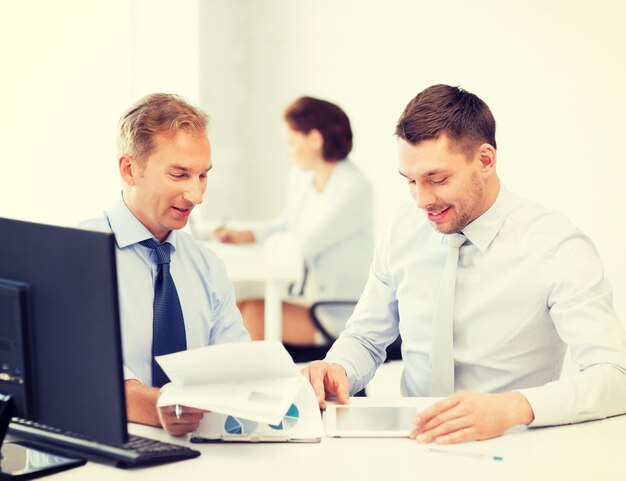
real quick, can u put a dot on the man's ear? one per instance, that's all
(488, 157)
(128, 169)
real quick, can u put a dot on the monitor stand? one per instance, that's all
(20, 461)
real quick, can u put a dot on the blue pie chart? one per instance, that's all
(289, 420)
(232, 425)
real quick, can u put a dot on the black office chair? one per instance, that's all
(329, 318)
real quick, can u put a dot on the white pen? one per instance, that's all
(466, 454)
(178, 411)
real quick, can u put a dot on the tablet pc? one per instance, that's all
(362, 420)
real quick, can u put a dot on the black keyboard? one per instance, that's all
(138, 451)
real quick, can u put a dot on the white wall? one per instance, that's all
(69, 69)
(164, 48)
(552, 71)
(64, 82)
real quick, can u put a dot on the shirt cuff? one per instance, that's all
(549, 404)
(351, 372)
(261, 233)
(128, 375)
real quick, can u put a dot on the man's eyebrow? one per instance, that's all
(186, 169)
(427, 174)
(434, 172)
(179, 167)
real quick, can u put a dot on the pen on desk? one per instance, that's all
(466, 454)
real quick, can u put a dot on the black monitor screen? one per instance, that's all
(69, 275)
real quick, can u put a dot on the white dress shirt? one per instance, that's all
(333, 229)
(206, 296)
(529, 284)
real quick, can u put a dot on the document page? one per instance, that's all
(253, 380)
(302, 423)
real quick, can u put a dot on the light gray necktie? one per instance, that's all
(442, 353)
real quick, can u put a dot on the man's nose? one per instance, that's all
(194, 194)
(424, 197)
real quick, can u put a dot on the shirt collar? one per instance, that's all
(483, 230)
(127, 228)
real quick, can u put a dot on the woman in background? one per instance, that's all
(328, 209)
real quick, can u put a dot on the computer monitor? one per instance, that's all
(60, 343)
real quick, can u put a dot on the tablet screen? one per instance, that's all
(373, 420)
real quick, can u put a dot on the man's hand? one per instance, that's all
(141, 407)
(230, 236)
(470, 415)
(185, 422)
(328, 380)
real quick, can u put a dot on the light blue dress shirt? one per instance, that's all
(529, 284)
(206, 295)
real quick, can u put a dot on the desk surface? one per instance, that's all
(274, 260)
(587, 451)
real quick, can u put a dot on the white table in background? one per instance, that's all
(275, 262)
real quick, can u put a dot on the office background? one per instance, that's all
(551, 70)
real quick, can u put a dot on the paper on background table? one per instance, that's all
(255, 380)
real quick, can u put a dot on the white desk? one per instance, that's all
(588, 451)
(275, 262)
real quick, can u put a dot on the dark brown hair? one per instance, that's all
(308, 113)
(461, 115)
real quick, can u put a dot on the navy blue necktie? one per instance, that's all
(168, 325)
